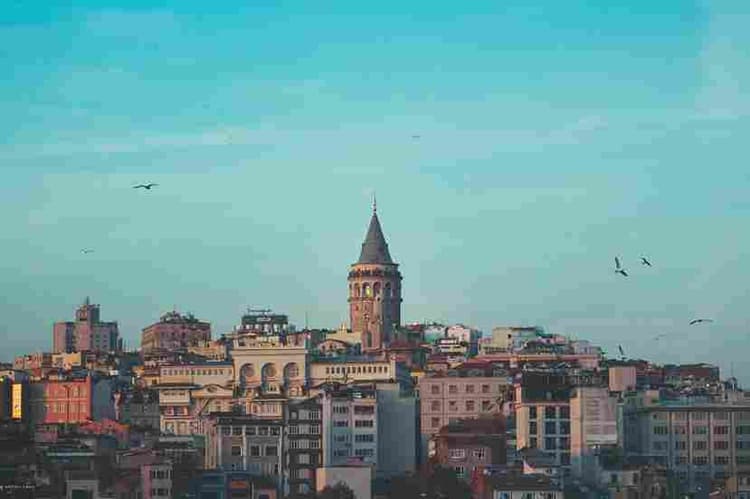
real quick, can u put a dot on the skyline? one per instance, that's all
(550, 141)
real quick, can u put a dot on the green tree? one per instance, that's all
(338, 491)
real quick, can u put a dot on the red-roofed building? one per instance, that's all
(469, 444)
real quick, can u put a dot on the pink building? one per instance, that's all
(86, 333)
(175, 333)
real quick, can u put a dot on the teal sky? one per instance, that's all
(552, 139)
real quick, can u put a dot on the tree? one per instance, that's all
(338, 491)
(439, 483)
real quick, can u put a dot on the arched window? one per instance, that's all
(388, 290)
(368, 339)
(247, 373)
(268, 371)
(376, 289)
(291, 371)
(356, 290)
(367, 290)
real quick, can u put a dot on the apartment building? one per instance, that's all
(465, 392)
(245, 443)
(699, 442)
(469, 445)
(303, 444)
(350, 426)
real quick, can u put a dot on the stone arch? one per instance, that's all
(356, 291)
(291, 371)
(268, 372)
(376, 289)
(247, 373)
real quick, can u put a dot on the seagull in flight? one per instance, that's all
(415, 137)
(699, 321)
(619, 269)
(645, 262)
(87, 251)
(622, 352)
(145, 186)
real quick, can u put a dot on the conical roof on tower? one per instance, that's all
(375, 249)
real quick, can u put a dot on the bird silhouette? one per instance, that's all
(619, 269)
(145, 186)
(645, 262)
(622, 352)
(87, 251)
(699, 321)
(416, 137)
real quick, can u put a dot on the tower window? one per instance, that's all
(367, 290)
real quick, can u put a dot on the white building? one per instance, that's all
(350, 426)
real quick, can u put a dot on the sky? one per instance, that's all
(550, 139)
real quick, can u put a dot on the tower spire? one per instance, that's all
(374, 202)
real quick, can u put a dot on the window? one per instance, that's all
(742, 445)
(236, 450)
(721, 415)
(435, 389)
(315, 429)
(532, 427)
(565, 458)
(680, 445)
(565, 412)
(721, 430)
(550, 413)
(743, 430)
(700, 461)
(435, 422)
(743, 460)
(680, 430)
(661, 430)
(700, 416)
(435, 405)
(452, 405)
(564, 427)
(460, 471)
(485, 388)
(314, 415)
(721, 460)
(275, 431)
(721, 445)
(700, 430)
(271, 450)
(364, 452)
(255, 450)
(699, 445)
(485, 405)
(303, 459)
(457, 454)
(237, 430)
(550, 428)
(363, 423)
(469, 388)
(532, 412)
(533, 443)
(341, 424)
(364, 438)
(293, 430)
(680, 460)
(563, 443)
(550, 444)
(452, 389)
(469, 405)
(479, 454)
(263, 431)
(225, 430)
(249, 430)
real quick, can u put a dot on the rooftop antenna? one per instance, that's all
(306, 320)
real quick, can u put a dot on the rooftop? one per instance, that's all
(375, 249)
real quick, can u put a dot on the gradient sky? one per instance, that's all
(552, 139)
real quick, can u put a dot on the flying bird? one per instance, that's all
(660, 336)
(622, 352)
(87, 251)
(699, 321)
(619, 269)
(145, 186)
(645, 262)
(416, 137)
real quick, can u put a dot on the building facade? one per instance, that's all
(303, 444)
(86, 333)
(350, 426)
(175, 332)
(374, 291)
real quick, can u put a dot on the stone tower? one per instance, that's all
(374, 290)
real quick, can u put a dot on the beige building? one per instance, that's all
(593, 423)
(543, 421)
(698, 442)
(268, 365)
(209, 373)
(445, 399)
(353, 370)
